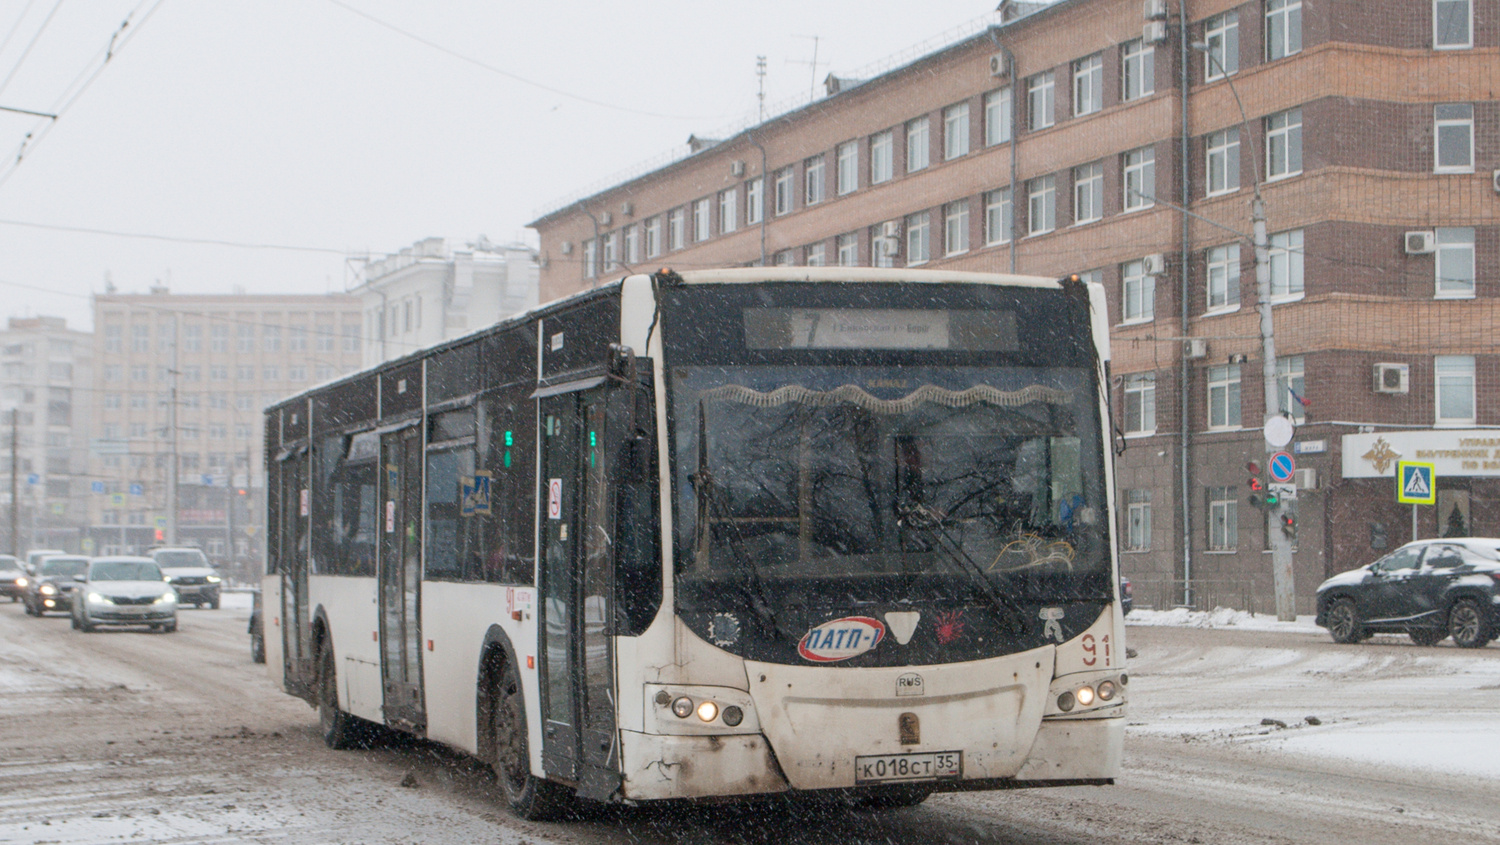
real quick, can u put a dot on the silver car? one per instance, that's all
(124, 591)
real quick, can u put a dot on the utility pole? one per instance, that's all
(171, 535)
(15, 485)
(1280, 538)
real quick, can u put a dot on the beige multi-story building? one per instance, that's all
(1125, 141)
(45, 395)
(216, 360)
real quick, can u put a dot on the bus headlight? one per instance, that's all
(1106, 690)
(682, 707)
(1065, 702)
(733, 716)
(708, 711)
(1085, 695)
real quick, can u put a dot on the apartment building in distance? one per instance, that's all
(1125, 141)
(46, 390)
(431, 291)
(219, 359)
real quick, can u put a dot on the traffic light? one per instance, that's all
(1289, 525)
(1261, 495)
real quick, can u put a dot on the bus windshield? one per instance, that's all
(810, 490)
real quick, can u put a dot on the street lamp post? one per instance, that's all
(1279, 540)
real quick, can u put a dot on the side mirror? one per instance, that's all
(82, 576)
(622, 366)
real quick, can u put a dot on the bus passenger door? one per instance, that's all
(293, 534)
(400, 579)
(577, 666)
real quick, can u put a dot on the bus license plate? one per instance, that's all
(935, 765)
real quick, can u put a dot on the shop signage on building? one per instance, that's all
(1472, 453)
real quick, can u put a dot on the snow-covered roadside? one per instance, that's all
(1386, 704)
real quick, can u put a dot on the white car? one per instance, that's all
(188, 569)
(124, 591)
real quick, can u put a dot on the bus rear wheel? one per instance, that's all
(530, 797)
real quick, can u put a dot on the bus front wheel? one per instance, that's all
(338, 728)
(530, 797)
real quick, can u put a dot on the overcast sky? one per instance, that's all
(330, 124)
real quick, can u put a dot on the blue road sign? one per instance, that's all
(97, 487)
(33, 478)
(1416, 483)
(137, 490)
(1282, 467)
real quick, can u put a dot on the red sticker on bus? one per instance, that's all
(841, 639)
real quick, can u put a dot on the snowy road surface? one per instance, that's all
(125, 736)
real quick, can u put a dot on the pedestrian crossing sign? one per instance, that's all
(1416, 483)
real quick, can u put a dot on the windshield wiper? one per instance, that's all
(709, 506)
(929, 520)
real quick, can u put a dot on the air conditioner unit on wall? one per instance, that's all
(1420, 243)
(1154, 10)
(1306, 478)
(1155, 263)
(1154, 32)
(567, 247)
(737, 167)
(890, 229)
(1392, 378)
(1195, 348)
(605, 218)
(998, 65)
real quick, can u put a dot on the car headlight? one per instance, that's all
(213, 579)
(48, 590)
(21, 582)
(166, 598)
(98, 598)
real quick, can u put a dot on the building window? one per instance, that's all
(848, 246)
(632, 244)
(1453, 385)
(245, 342)
(848, 176)
(885, 243)
(140, 338)
(1283, 28)
(218, 372)
(1223, 161)
(881, 168)
(997, 217)
(729, 204)
(653, 237)
(813, 177)
(676, 222)
(1140, 404)
(244, 372)
(785, 258)
(702, 220)
(271, 338)
(1455, 263)
(323, 332)
(916, 145)
(1291, 386)
(590, 265)
(817, 254)
(1453, 138)
(1138, 69)
(114, 338)
(1088, 85)
(611, 261)
(997, 116)
(1452, 24)
(1224, 396)
(783, 188)
(112, 372)
(955, 131)
(1039, 96)
(1286, 265)
(956, 227)
(918, 245)
(1137, 520)
(192, 336)
(1284, 144)
(1223, 520)
(755, 201)
(1088, 193)
(1041, 205)
(1224, 278)
(1140, 178)
(1222, 34)
(1138, 292)
(351, 337)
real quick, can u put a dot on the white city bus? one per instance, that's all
(827, 531)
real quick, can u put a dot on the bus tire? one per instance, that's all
(530, 797)
(338, 728)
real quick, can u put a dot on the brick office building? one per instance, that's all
(1107, 137)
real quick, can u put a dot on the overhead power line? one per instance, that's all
(175, 239)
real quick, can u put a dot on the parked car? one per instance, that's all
(12, 578)
(1427, 589)
(51, 586)
(257, 631)
(188, 569)
(124, 590)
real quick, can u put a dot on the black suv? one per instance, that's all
(1428, 590)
